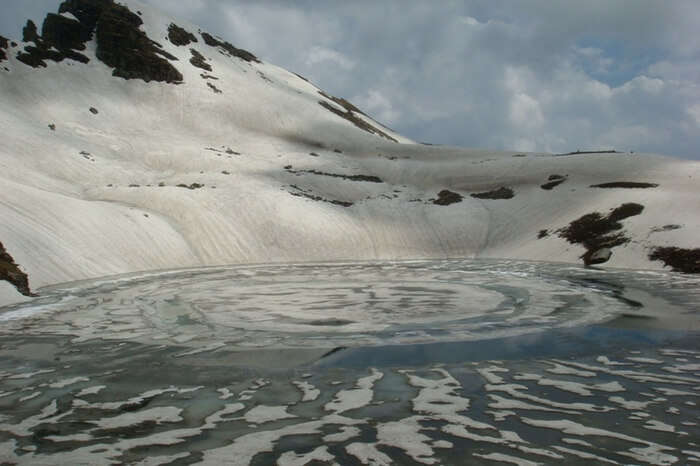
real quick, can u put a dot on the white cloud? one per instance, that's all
(537, 75)
(525, 112)
(468, 20)
(694, 112)
(373, 102)
(318, 54)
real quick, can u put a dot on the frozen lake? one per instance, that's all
(415, 362)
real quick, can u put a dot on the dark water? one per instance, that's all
(421, 362)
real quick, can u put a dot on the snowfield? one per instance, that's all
(249, 163)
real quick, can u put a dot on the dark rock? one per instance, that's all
(61, 37)
(554, 180)
(542, 234)
(595, 231)
(350, 114)
(29, 32)
(500, 193)
(334, 322)
(120, 43)
(302, 78)
(264, 77)
(191, 186)
(666, 228)
(52, 127)
(679, 259)
(627, 210)
(313, 154)
(446, 197)
(600, 256)
(3, 47)
(199, 61)
(32, 56)
(319, 198)
(10, 272)
(64, 33)
(367, 178)
(625, 184)
(581, 152)
(337, 151)
(233, 51)
(215, 89)
(179, 36)
(208, 76)
(94, 111)
(124, 47)
(35, 56)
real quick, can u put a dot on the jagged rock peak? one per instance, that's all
(121, 44)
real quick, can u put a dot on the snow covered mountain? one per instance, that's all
(133, 141)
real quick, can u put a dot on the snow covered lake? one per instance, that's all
(411, 362)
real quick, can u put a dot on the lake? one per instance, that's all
(407, 362)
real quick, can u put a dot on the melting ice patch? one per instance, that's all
(330, 305)
(432, 415)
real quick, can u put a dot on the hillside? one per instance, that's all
(133, 141)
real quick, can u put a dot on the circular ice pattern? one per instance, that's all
(326, 305)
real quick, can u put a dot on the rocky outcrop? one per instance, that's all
(233, 51)
(121, 44)
(126, 48)
(600, 256)
(447, 197)
(179, 36)
(10, 272)
(199, 61)
(679, 259)
(3, 47)
(597, 232)
(553, 181)
(500, 193)
(626, 184)
(59, 40)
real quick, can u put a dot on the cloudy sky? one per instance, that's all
(536, 75)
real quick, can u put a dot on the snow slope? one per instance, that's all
(271, 172)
